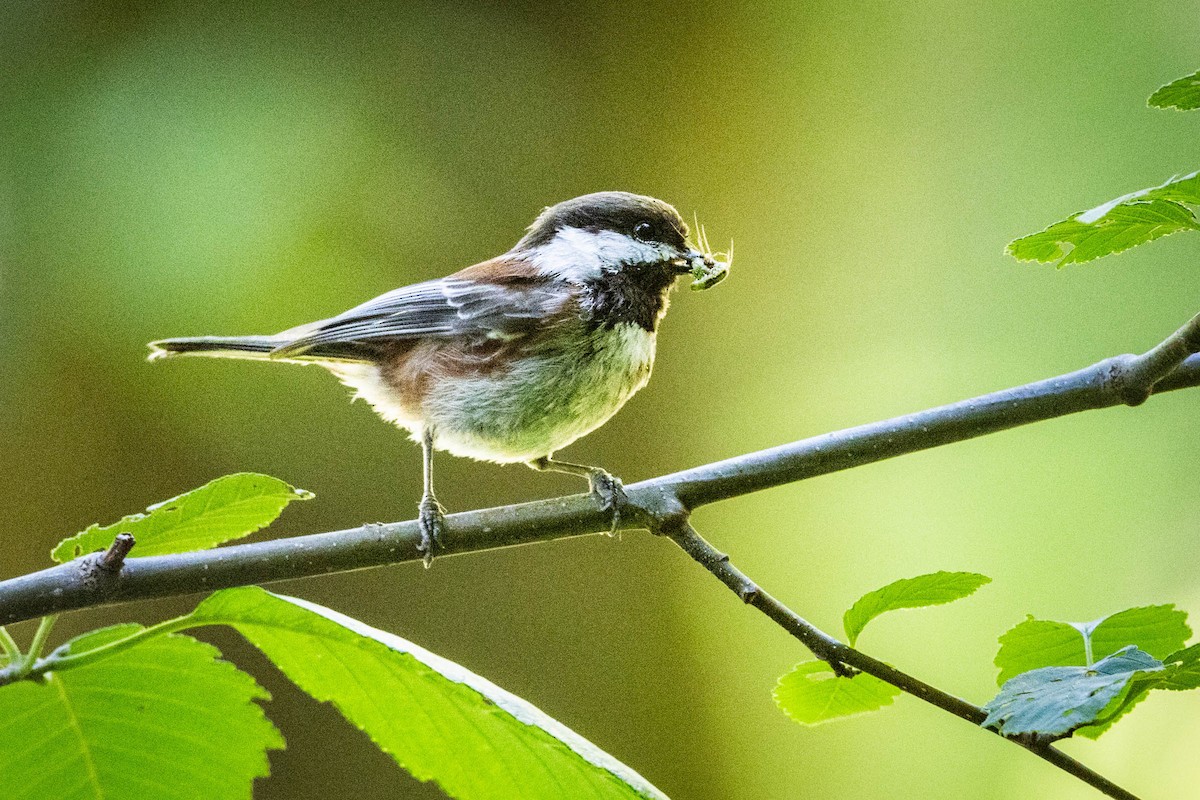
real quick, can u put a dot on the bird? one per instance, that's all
(516, 357)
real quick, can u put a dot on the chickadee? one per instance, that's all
(512, 359)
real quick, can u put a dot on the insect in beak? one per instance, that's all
(706, 267)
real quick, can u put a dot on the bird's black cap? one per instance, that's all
(621, 212)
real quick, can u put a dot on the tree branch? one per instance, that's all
(1115, 381)
(661, 505)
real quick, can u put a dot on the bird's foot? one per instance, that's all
(432, 520)
(609, 494)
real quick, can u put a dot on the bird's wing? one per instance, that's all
(448, 307)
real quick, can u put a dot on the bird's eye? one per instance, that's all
(643, 231)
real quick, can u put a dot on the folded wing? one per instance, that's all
(473, 310)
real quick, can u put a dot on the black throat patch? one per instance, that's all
(635, 294)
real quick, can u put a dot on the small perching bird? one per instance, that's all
(514, 358)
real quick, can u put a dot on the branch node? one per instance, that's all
(664, 513)
(840, 668)
(1123, 379)
(99, 572)
(749, 590)
(1133, 378)
(113, 558)
(1033, 740)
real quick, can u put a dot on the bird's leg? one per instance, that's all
(432, 517)
(605, 488)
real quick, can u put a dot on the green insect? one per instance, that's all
(707, 272)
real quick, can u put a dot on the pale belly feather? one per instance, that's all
(546, 402)
(541, 405)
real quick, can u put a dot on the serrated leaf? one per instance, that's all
(811, 693)
(1159, 630)
(437, 719)
(1035, 643)
(1182, 93)
(166, 719)
(933, 589)
(1054, 701)
(222, 510)
(1120, 225)
(1038, 643)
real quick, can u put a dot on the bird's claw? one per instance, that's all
(609, 494)
(432, 521)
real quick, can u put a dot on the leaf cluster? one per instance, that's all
(1056, 678)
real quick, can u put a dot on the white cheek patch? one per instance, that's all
(577, 255)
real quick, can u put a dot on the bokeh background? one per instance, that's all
(197, 167)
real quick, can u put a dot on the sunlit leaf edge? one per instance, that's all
(1181, 94)
(899, 594)
(543, 730)
(267, 495)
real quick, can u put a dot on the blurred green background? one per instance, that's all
(187, 168)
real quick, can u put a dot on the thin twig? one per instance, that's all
(841, 655)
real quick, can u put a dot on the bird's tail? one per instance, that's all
(252, 347)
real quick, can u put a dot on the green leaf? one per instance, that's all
(1183, 670)
(1038, 643)
(1159, 630)
(438, 720)
(1108, 229)
(1182, 94)
(809, 699)
(924, 590)
(167, 720)
(1035, 643)
(1054, 701)
(227, 508)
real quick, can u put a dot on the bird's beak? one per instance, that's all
(692, 260)
(705, 269)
